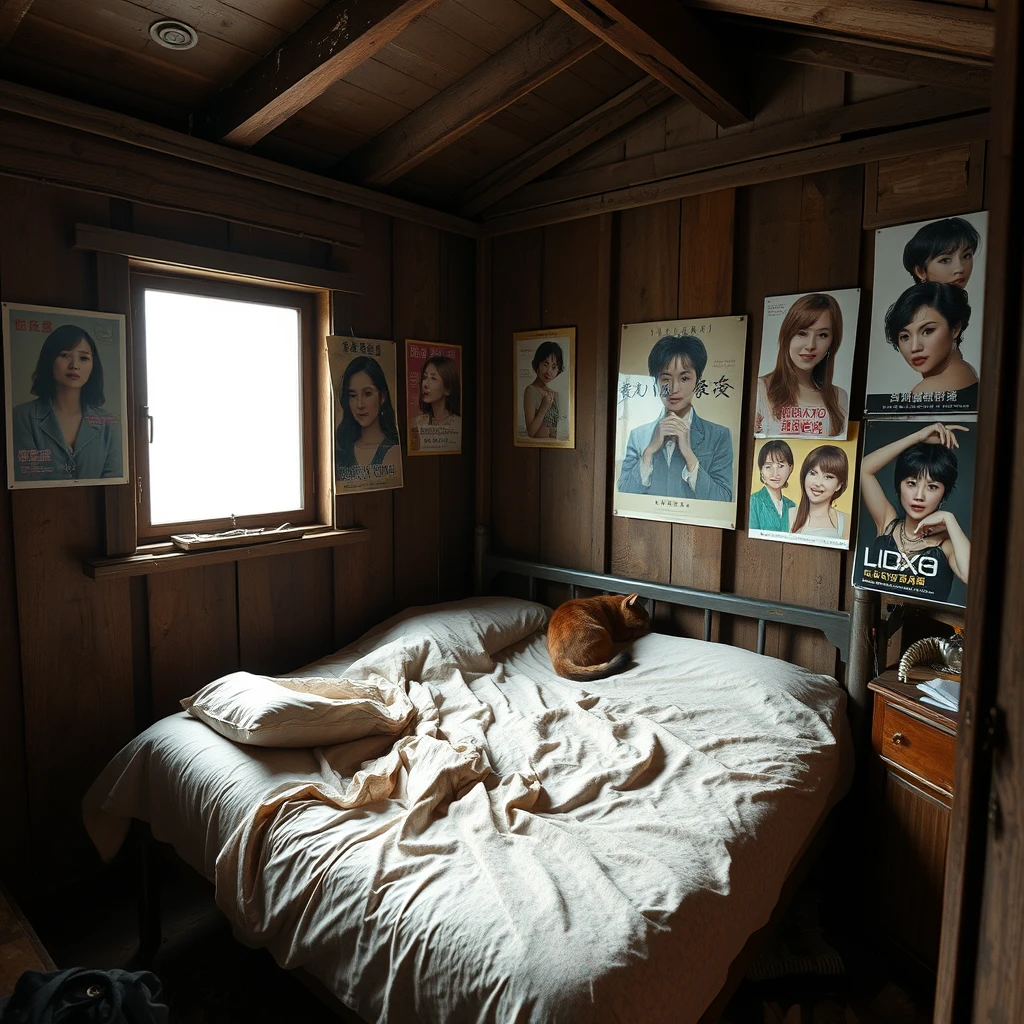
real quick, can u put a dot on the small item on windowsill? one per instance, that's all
(236, 538)
(942, 693)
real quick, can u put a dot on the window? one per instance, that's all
(224, 394)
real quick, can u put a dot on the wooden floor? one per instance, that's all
(209, 978)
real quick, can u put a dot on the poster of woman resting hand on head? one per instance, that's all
(926, 317)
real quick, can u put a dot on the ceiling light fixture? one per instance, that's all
(175, 35)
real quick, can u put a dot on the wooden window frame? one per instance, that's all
(313, 328)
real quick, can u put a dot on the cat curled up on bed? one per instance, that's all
(581, 634)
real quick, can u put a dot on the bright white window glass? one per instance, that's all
(224, 383)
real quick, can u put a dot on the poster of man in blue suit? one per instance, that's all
(679, 405)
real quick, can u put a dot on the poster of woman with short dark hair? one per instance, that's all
(926, 317)
(543, 379)
(914, 531)
(678, 410)
(66, 396)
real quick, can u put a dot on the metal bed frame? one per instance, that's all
(850, 632)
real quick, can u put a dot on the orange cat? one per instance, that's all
(581, 634)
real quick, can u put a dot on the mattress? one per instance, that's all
(550, 851)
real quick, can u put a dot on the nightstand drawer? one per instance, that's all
(919, 747)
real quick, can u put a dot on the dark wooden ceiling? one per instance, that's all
(439, 100)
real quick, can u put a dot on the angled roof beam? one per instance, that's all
(913, 24)
(502, 79)
(805, 46)
(620, 110)
(334, 42)
(11, 13)
(671, 45)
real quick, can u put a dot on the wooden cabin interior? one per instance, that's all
(456, 171)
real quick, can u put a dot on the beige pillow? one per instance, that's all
(270, 712)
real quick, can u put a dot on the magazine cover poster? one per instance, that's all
(927, 310)
(801, 491)
(67, 406)
(803, 384)
(544, 399)
(914, 525)
(677, 420)
(367, 453)
(433, 381)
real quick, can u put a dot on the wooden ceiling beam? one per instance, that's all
(803, 46)
(916, 24)
(664, 39)
(592, 127)
(826, 126)
(334, 42)
(830, 157)
(499, 81)
(11, 13)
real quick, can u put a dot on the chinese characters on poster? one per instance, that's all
(543, 379)
(678, 407)
(801, 490)
(66, 396)
(926, 317)
(914, 528)
(433, 381)
(807, 343)
(367, 453)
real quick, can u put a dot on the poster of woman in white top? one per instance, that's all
(807, 343)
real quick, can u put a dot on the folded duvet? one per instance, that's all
(529, 849)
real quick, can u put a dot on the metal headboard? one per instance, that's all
(851, 633)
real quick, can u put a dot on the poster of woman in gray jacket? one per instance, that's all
(70, 433)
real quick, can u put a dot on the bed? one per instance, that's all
(532, 849)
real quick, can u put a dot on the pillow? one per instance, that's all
(466, 630)
(267, 712)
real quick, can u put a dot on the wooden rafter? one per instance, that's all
(847, 153)
(499, 81)
(804, 46)
(574, 138)
(885, 112)
(664, 39)
(11, 13)
(914, 24)
(334, 42)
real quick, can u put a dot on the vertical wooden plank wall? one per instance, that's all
(73, 648)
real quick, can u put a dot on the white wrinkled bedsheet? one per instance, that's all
(552, 851)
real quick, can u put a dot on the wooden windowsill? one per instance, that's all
(166, 557)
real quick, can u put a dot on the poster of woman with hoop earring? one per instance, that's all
(804, 385)
(914, 534)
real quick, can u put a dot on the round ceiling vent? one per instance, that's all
(175, 35)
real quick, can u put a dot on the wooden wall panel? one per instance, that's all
(830, 234)
(76, 658)
(768, 255)
(706, 235)
(648, 289)
(457, 496)
(517, 271)
(416, 314)
(193, 632)
(285, 611)
(577, 266)
(364, 573)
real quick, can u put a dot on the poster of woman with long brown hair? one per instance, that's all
(807, 343)
(433, 380)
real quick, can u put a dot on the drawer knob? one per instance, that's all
(899, 739)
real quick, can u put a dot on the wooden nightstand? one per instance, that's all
(914, 755)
